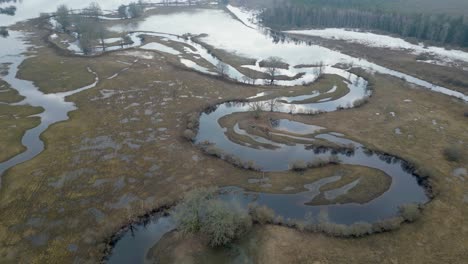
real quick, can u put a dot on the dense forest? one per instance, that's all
(440, 28)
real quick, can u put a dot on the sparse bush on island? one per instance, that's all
(224, 222)
(256, 108)
(410, 212)
(453, 153)
(188, 212)
(466, 114)
(221, 221)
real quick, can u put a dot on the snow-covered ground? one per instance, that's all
(383, 41)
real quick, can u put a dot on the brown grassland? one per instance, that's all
(122, 154)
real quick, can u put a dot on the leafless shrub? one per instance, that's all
(410, 212)
(272, 64)
(222, 68)
(298, 165)
(189, 134)
(453, 153)
(359, 102)
(193, 120)
(256, 108)
(261, 214)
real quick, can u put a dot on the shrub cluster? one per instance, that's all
(10, 10)
(224, 221)
(4, 32)
(453, 153)
(191, 127)
(407, 213)
(133, 10)
(212, 150)
(410, 212)
(359, 102)
(221, 221)
(261, 214)
(300, 165)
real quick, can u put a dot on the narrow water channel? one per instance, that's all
(55, 106)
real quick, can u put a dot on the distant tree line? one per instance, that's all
(438, 28)
(9, 10)
(133, 10)
(88, 26)
(4, 32)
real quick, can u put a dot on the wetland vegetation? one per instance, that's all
(143, 132)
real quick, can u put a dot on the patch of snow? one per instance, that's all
(160, 47)
(382, 41)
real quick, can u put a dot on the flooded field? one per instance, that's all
(239, 39)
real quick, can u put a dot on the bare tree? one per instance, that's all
(90, 28)
(62, 16)
(101, 33)
(222, 68)
(4, 32)
(93, 10)
(272, 104)
(292, 108)
(321, 68)
(318, 70)
(122, 11)
(135, 9)
(273, 64)
(85, 28)
(256, 108)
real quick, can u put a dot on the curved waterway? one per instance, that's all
(405, 187)
(55, 106)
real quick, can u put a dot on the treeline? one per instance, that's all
(4, 32)
(133, 10)
(88, 24)
(438, 28)
(9, 10)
